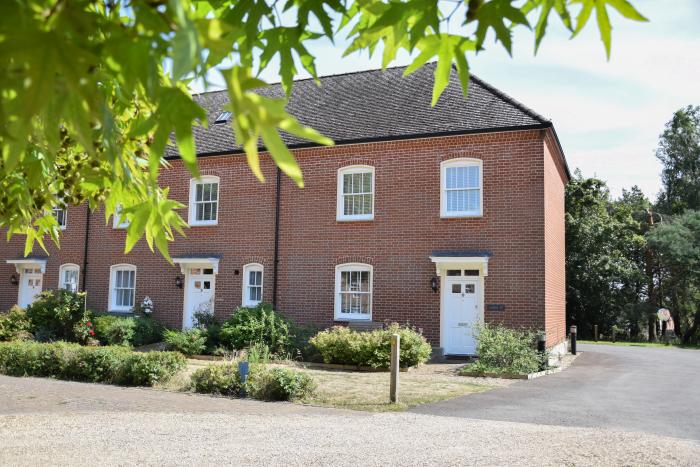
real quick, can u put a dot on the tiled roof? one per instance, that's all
(377, 105)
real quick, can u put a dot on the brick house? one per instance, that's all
(440, 217)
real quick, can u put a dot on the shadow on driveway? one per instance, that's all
(655, 390)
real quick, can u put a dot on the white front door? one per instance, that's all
(199, 294)
(30, 285)
(461, 314)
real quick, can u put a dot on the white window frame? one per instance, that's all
(192, 212)
(460, 162)
(340, 197)
(245, 301)
(65, 267)
(65, 217)
(339, 269)
(112, 283)
(117, 221)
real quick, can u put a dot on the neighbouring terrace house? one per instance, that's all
(439, 217)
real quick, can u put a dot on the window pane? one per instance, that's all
(456, 288)
(198, 191)
(214, 191)
(454, 272)
(472, 176)
(468, 288)
(208, 271)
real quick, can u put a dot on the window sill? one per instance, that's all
(203, 224)
(461, 216)
(344, 319)
(121, 312)
(355, 219)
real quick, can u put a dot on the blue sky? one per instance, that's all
(608, 114)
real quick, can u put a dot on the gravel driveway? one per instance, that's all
(62, 423)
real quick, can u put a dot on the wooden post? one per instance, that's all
(595, 332)
(395, 353)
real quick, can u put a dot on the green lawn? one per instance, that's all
(640, 344)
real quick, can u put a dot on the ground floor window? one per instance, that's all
(68, 277)
(122, 287)
(252, 284)
(353, 291)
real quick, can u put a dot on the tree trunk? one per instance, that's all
(652, 328)
(690, 332)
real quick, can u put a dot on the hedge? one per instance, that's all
(269, 384)
(112, 365)
(371, 349)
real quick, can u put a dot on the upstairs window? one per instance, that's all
(461, 188)
(122, 288)
(68, 277)
(353, 292)
(355, 193)
(204, 200)
(61, 216)
(252, 284)
(119, 221)
(223, 117)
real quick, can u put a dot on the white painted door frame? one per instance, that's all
(25, 264)
(188, 305)
(446, 328)
(442, 265)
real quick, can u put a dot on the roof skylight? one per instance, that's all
(224, 117)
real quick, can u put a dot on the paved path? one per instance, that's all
(655, 390)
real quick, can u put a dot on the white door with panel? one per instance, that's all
(199, 294)
(30, 285)
(461, 314)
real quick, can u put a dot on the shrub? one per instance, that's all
(55, 313)
(504, 350)
(15, 325)
(149, 368)
(190, 342)
(256, 325)
(147, 331)
(127, 330)
(372, 349)
(276, 384)
(211, 327)
(279, 384)
(116, 365)
(217, 379)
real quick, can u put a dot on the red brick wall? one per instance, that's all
(70, 251)
(405, 230)
(555, 272)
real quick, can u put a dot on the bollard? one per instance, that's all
(572, 334)
(243, 376)
(394, 369)
(541, 349)
(595, 332)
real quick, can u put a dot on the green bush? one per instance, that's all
(276, 384)
(279, 384)
(256, 325)
(371, 349)
(211, 327)
(190, 342)
(115, 365)
(222, 380)
(148, 331)
(15, 325)
(504, 350)
(54, 315)
(127, 330)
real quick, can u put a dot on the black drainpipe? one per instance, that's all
(85, 252)
(276, 258)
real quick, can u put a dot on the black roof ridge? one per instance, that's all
(510, 100)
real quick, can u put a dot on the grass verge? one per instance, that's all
(369, 391)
